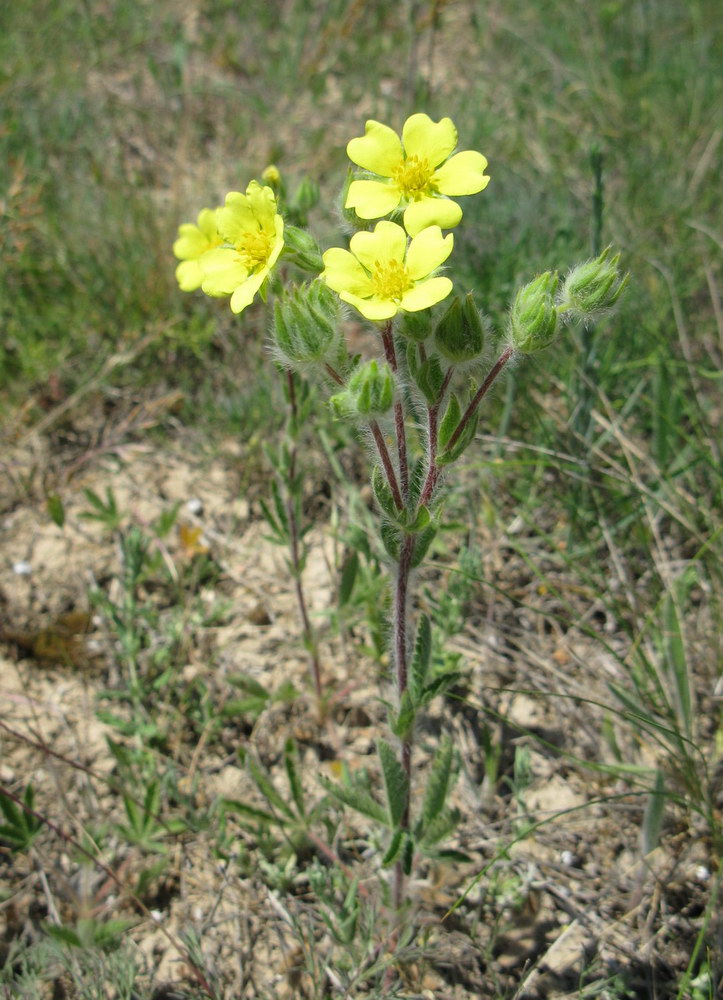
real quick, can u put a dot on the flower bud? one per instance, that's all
(533, 320)
(272, 176)
(303, 249)
(415, 325)
(369, 392)
(306, 326)
(593, 286)
(304, 198)
(460, 335)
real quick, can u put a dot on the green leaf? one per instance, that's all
(56, 509)
(441, 826)
(435, 795)
(348, 578)
(234, 805)
(402, 723)
(462, 442)
(248, 684)
(395, 846)
(430, 379)
(396, 784)
(653, 816)
(265, 786)
(449, 422)
(421, 545)
(392, 539)
(420, 658)
(420, 522)
(292, 773)
(358, 799)
(382, 493)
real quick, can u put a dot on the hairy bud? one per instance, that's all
(534, 319)
(459, 335)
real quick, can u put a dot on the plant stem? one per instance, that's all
(480, 394)
(400, 630)
(309, 635)
(391, 356)
(432, 423)
(387, 463)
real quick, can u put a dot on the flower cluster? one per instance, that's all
(233, 249)
(406, 182)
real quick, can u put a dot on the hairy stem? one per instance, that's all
(400, 633)
(391, 356)
(386, 463)
(309, 635)
(480, 394)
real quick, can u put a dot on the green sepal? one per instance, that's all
(396, 783)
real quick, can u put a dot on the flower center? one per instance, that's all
(413, 177)
(390, 280)
(254, 248)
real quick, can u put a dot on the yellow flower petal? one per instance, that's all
(189, 275)
(236, 217)
(426, 294)
(379, 150)
(244, 295)
(431, 212)
(263, 204)
(372, 199)
(387, 242)
(463, 173)
(191, 242)
(373, 309)
(223, 271)
(343, 272)
(427, 251)
(207, 224)
(429, 140)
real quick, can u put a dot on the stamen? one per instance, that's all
(413, 176)
(391, 279)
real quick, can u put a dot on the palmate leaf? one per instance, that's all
(396, 783)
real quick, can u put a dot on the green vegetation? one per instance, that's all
(587, 585)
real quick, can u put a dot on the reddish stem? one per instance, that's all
(387, 463)
(480, 394)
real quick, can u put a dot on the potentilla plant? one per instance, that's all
(417, 402)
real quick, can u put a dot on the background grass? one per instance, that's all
(119, 120)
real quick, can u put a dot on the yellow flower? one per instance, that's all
(254, 234)
(192, 243)
(416, 173)
(382, 275)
